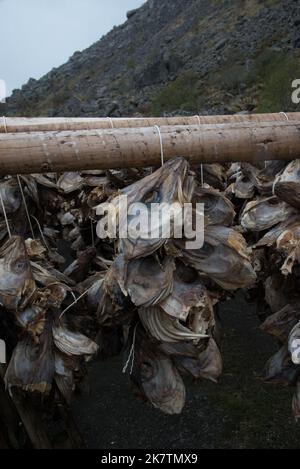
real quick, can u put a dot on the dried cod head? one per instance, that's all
(16, 278)
(281, 323)
(263, 214)
(73, 343)
(170, 184)
(280, 369)
(287, 185)
(188, 294)
(165, 328)
(156, 376)
(218, 209)
(148, 281)
(31, 367)
(225, 258)
(11, 196)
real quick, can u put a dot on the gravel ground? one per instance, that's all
(240, 412)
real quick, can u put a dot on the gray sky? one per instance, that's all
(37, 35)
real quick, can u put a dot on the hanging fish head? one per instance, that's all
(16, 280)
(146, 211)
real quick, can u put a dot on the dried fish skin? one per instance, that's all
(296, 402)
(294, 344)
(33, 320)
(170, 184)
(224, 258)
(241, 188)
(289, 243)
(73, 343)
(281, 323)
(207, 364)
(35, 249)
(78, 270)
(275, 295)
(239, 184)
(263, 214)
(11, 196)
(286, 238)
(280, 369)
(113, 300)
(31, 367)
(64, 377)
(70, 182)
(93, 284)
(148, 281)
(157, 377)
(218, 209)
(263, 178)
(214, 174)
(16, 279)
(164, 328)
(187, 293)
(46, 275)
(287, 185)
(270, 238)
(203, 361)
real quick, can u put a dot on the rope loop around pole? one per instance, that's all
(4, 124)
(111, 122)
(285, 115)
(161, 145)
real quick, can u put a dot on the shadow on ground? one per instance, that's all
(240, 412)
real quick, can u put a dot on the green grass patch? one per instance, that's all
(182, 94)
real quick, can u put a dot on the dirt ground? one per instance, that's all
(240, 412)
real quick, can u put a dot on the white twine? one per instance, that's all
(161, 145)
(285, 115)
(75, 302)
(2, 203)
(131, 354)
(4, 124)
(25, 205)
(74, 296)
(5, 216)
(201, 165)
(41, 232)
(111, 122)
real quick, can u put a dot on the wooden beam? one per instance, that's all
(42, 124)
(40, 152)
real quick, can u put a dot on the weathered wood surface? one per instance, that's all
(40, 152)
(41, 124)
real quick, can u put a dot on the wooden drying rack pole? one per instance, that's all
(277, 138)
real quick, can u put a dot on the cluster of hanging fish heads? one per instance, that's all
(67, 296)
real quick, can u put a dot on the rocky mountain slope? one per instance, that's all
(191, 56)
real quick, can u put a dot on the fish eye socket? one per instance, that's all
(20, 266)
(147, 369)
